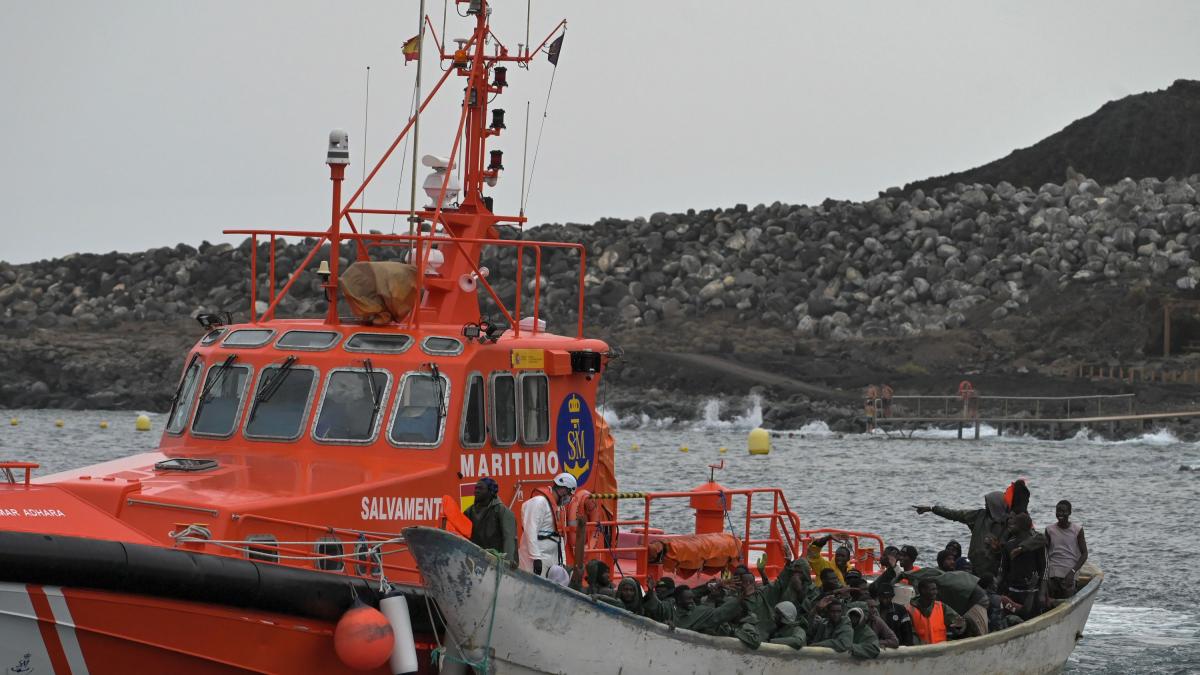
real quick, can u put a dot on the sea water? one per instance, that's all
(1135, 499)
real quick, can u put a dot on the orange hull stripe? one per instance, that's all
(47, 626)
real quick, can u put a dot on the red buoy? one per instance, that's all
(363, 638)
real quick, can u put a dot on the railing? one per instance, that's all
(1131, 374)
(421, 242)
(365, 564)
(784, 527)
(7, 469)
(954, 408)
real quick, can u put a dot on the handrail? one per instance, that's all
(7, 468)
(417, 241)
(353, 538)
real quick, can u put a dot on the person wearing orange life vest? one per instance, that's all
(542, 525)
(932, 620)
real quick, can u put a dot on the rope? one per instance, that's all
(538, 146)
(257, 546)
(618, 495)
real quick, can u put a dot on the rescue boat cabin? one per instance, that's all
(349, 427)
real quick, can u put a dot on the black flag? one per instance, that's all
(555, 48)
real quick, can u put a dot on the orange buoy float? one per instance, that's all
(363, 638)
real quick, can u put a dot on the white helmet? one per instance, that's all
(566, 480)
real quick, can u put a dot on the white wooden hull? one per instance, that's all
(541, 627)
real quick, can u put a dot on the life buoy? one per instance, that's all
(966, 389)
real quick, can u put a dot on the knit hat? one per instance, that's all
(787, 609)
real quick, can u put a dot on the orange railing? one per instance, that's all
(784, 528)
(7, 467)
(419, 242)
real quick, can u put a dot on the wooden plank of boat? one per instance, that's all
(526, 624)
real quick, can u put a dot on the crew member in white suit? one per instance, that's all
(542, 525)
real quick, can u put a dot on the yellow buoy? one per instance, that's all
(103, 424)
(722, 449)
(759, 442)
(58, 423)
(634, 447)
(142, 423)
(683, 448)
(14, 421)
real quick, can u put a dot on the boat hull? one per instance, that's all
(540, 627)
(55, 630)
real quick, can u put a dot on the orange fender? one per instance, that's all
(456, 522)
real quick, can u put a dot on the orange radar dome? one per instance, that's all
(363, 638)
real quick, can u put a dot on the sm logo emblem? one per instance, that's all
(576, 438)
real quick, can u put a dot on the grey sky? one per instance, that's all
(132, 124)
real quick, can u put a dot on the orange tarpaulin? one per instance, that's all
(691, 552)
(456, 522)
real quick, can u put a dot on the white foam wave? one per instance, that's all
(1148, 625)
(637, 421)
(710, 416)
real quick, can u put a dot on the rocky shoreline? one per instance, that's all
(922, 288)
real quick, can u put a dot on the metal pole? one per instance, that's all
(413, 219)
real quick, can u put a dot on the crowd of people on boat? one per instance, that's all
(1011, 572)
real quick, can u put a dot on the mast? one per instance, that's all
(413, 219)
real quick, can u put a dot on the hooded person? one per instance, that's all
(493, 526)
(628, 596)
(703, 618)
(788, 630)
(599, 578)
(654, 606)
(864, 642)
(988, 526)
(798, 588)
(542, 525)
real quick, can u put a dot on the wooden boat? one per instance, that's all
(514, 622)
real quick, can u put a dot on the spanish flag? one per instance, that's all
(412, 48)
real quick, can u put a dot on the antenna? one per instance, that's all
(413, 219)
(362, 222)
(525, 157)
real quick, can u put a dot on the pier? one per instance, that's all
(968, 412)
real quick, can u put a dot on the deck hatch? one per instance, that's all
(186, 464)
(310, 340)
(248, 337)
(379, 343)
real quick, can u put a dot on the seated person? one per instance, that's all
(701, 618)
(599, 578)
(788, 630)
(933, 621)
(831, 629)
(895, 616)
(960, 562)
(946, 561)
(864, 643)
(841, 557)
(887, 637)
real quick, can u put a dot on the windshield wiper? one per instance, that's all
(438, 391)
(221, 370)
(369, 372)
(271, 386)
(183, 381)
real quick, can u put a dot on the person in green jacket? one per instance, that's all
(787, 630)
(655, 607)
(493, 526)
(628, 596)
(701, 618)
(832, 629)
(864, 642)
(988, 528)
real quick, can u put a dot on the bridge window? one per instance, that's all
(441, 346)
(421, 409)
(350, 408)
(310, 340)
(221, 400)
(379, 343)
(185, 395)
(535, 409)
(212, 336)
(474, 422)
(281, 402)
(249, 337)
(504, 409)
